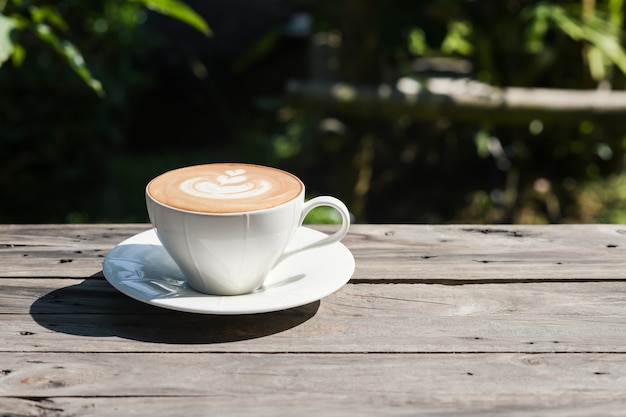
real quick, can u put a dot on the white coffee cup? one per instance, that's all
(227, 225)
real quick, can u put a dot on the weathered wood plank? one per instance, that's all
(53, 315)
(58, 250)
(304, 384)
(385, 252)
(437, 320)
(306, 405)
(483, 253)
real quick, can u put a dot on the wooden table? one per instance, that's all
(437, 320)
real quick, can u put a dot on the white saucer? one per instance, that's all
(140, 268)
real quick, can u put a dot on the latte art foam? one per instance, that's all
(233, 184)
(225, 188)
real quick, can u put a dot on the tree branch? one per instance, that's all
(458, 99)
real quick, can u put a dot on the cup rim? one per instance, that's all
(234, 213)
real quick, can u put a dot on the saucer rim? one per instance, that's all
(339, 250)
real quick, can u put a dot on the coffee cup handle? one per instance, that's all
(335, 237)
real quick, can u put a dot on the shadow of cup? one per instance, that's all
(95, 309)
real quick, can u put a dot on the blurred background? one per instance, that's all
(447, 111)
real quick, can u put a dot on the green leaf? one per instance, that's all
(7, 25)
(603, 35)
(180, 11)
(417, 42)
(536, 30)
(19, 53)
(47, 14)
(71, 54)
(481, 139)
(616, 12)
(457, 39)
(610, 46)
(597, 65)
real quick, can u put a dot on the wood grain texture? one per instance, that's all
(309, 384)
(487, 253)
(437, 320)
(386, 252)
(59, 250)
(522, 317)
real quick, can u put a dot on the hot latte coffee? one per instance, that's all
(227, 225)
(225, 188)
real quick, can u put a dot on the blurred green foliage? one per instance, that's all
(60, 141)
(167, 96)
(20, 18)
(446, 171)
